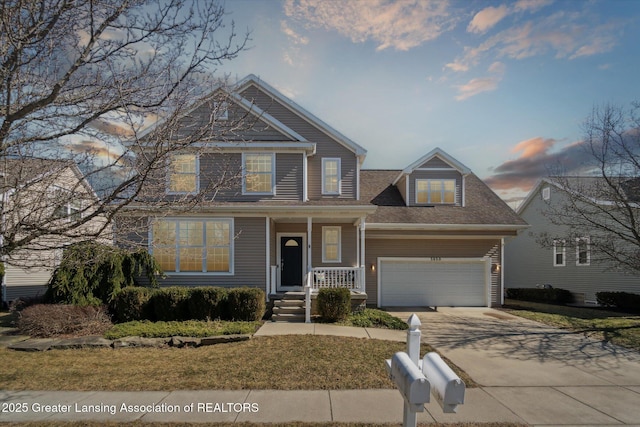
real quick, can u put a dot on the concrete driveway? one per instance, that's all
(544, 375)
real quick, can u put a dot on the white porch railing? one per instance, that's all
(351, 278)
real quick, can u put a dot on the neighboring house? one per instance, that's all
(570, 265)
(300, 210)
(40, 196)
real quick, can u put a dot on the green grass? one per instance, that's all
(295, 362)
(609, 326)
(189, 328)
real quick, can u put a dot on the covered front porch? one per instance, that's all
(325, 249)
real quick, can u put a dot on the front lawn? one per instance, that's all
(295, 362)
(615, 327)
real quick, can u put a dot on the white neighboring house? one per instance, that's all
(42, 197)
(572, 262)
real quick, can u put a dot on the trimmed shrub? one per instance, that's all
(132, 303)
(334, 304)
(546, 295)
(52, 320)
(245, 304)
(621, 300)
(91, 273)
(207, 303)
(170, 303)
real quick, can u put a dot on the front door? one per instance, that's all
(290, 261)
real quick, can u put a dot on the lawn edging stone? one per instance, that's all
(44, 344)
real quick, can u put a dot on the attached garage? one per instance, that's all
(445, 282)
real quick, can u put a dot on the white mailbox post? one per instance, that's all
(416, 379)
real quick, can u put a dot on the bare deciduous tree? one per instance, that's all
(604, 207)
(81, 81)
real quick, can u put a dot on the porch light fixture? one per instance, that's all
(373, 267)
(495, 268)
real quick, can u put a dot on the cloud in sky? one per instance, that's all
(487, 18)
(400, 25)
(537, 158)
(484, 84)
(563, 34)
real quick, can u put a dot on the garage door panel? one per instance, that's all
(433, 283)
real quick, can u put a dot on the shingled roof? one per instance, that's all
(482, 205)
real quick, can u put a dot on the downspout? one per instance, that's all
(502, 271)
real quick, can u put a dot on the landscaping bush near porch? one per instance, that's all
(52, 320)
(546, 295)
(334, 304)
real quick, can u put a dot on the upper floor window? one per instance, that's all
(435, 191)
(331, 238)
(559, 253)
(583, 251)
(195, 246)
(331, 176)
(259, 176)
(183, 173)
(66, 205)
(221, 110)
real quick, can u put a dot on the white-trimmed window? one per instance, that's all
(583, 251)
(435, 191)
(221, 111)
(331, 244)
(70, 208)
(331, 175)
(193, 245)
(183, 174)
(259, 173)
(546, 193)
(559, 253)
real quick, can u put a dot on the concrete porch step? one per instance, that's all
(288, 310)
(289, 303)
(288, 317)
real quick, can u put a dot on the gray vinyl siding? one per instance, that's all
(401, 185)
(15, 292)
(240, 125)
(325, 146)
(528, 264)
(288, 180)
(418, 174)
(435, 162)
(249, 260)
(421, 248)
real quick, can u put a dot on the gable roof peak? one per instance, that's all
(442, 155)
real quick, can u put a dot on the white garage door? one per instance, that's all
(423, 282)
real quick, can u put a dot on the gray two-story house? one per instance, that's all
(297, 209)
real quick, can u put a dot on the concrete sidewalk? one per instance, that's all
(595, 385)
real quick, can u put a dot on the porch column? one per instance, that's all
(267, 233)
(362, 259)
(309, 258)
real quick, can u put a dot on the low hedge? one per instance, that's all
(621, 300)
(178, 303)
(334, 304)
(546, 295)
(246, 304)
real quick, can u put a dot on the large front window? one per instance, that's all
(583, 251)
(192, 245)
(258, 173)
(331, 237)
(435, 191)
(183, 173)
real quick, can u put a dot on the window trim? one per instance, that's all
(563, 244)
(196, 173)
(587, 240)
(221, 110)
(338, 191)
(177, 247)
(245, 192)
(324, 244)
(442, 192)
(74, 208)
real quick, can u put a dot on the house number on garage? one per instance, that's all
(436, 258)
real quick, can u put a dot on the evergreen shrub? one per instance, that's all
(334, 304)
(245, 304)
(132, 303)
(207, 303)
(621, 300)
(171, 303)
(545, 295)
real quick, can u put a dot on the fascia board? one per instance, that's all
(445, 227)
(307, 147)
(444, 156)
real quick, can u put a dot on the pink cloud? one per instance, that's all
(487, 18)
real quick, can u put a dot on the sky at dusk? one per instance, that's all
(502, 86)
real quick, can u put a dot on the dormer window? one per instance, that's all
(435, 191)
